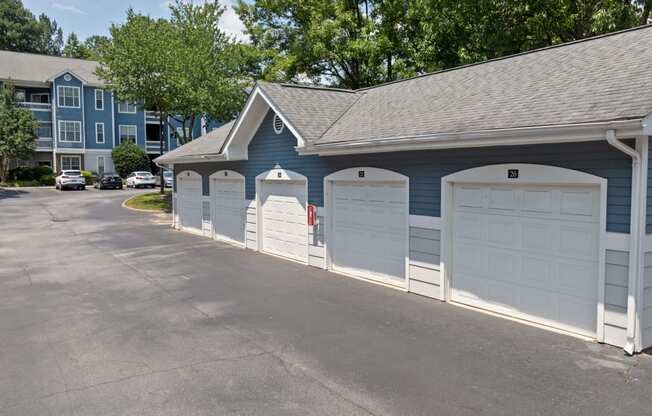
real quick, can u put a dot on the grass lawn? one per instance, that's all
(152, 201)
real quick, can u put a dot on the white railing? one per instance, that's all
(152, 114)
(36, 106)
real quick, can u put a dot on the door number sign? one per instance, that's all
(512, 173)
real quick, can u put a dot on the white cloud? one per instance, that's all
(232, 25)
(229, 23)
(67, 7)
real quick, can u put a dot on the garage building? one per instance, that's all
(517, 186)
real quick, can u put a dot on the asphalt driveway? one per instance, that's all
(106, 311)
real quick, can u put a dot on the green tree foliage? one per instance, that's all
(21, 31)
(185, 67)
(128, 157)
(75, 49)
(18, 128)
(209, 69)
(93, 45)
(359, 43)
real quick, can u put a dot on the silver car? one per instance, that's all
(70, 179)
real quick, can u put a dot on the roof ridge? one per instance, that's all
(528, 52)
(345, 111)
(315, 87)
(50, 56)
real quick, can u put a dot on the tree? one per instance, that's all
(21, 31)
(74, 48)
(128, 157)
(93, 45)
(359, 43)
(335, 40)
(18, 128)
(209, 71)
(137, 64)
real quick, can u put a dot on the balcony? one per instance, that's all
(152, 117)
(36, 106)
(44, 144)
(153, 147)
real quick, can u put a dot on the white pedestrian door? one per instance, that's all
(370, 230)
(528, 251)
(284, 228)
(228, 209)
(189, 197)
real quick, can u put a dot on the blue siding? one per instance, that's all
(137, 119)
(67, 113)
(97, 116)
(425, 169)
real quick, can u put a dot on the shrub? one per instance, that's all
(128, 157)
(29, 173)
(88, 177)
(47, 180)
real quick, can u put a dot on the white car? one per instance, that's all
(141, 179)
(70, 179)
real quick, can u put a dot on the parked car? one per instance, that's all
(70, 179)
(108, 180)
(141, 179)
(167, 178)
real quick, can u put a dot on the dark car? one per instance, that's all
(108, 180)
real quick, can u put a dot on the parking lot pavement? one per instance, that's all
(106, 311)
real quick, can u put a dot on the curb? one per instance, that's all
(151, 211)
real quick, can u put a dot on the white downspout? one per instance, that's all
(635, 239)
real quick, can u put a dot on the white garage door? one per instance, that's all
(284, 228)
(369, 230)
(189, 198)
(529, 252)
(228, 210)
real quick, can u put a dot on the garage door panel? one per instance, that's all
(228, 217)
(189, 198)
(369, 230)
(284, 228)
(531, 252)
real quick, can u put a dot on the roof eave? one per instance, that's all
(629, 128)
(208, 157)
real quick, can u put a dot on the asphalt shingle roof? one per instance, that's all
(310, 110)
(40, 68)
(601, 79)
(209, 143)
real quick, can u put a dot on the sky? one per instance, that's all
(94, 17)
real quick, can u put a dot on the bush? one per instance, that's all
(29, 173)
(128, 157)
(88, 177)
(47, 180)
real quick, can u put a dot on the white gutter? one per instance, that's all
(635, 232)
(498, 137)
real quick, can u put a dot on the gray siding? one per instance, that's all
(646, 319)
(424, 270)
(425, 169)
(615, 308)
(251, 240)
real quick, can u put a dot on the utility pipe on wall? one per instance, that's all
(635, 233)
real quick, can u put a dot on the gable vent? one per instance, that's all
(278, 124)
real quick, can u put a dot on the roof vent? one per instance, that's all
(278, 124)
(67, 77)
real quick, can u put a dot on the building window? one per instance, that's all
(99, 100)
(44, 129)
(99, 132)
(68, 96)
(127, 133)
(100, 165)
(43, 98)
(70, 163)
(126, 107)
(20, 96)
(69, 131)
